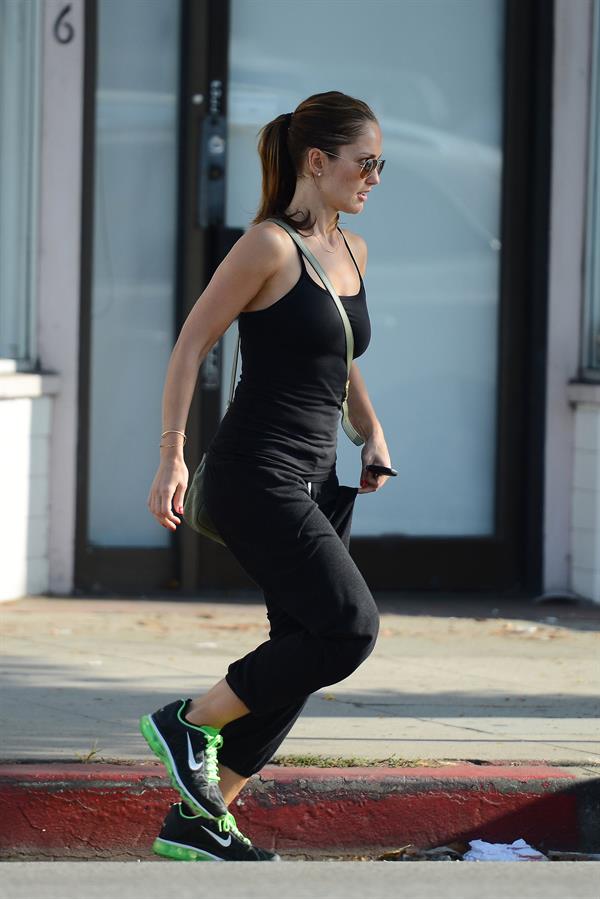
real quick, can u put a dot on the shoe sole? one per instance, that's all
(153, 738)
(181, 852)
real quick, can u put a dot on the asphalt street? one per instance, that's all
(300, 880)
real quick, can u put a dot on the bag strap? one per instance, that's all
(319, 269)
(234, 368)
(350, 430)
(347, 425)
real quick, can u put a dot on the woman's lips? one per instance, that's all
(363, 196)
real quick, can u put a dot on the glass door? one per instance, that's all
(435, 76)
(130, 315)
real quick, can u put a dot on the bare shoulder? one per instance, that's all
(358, 245)
(266, 239)
(252, 260)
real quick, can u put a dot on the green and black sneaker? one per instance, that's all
(194, 838)
(189, 753)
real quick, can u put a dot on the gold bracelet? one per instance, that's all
(174, 431)
(170, 444)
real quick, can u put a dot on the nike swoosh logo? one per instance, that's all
(216, 837)
(194, 765)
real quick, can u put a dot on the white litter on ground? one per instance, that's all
(517, 851)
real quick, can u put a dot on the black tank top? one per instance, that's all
(287, 404)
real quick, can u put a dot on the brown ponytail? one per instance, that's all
(327, 121)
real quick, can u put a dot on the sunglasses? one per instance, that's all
(366, 167)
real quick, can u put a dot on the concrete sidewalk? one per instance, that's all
(482, 681)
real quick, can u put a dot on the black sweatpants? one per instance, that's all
(291, 537)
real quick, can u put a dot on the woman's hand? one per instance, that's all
(168, 489)
(374, 452)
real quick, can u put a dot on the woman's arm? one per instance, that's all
(251, 261)
(360, 410)
(362, 415)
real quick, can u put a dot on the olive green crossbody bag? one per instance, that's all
(195, 513)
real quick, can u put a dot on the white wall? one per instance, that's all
(585, 498)
(572, 66)
(38, 410)
(59, 271)
(26, 402)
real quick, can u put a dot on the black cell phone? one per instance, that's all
(381, 469)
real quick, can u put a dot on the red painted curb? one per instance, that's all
(89, 810)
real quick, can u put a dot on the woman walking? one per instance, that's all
(271, 486)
